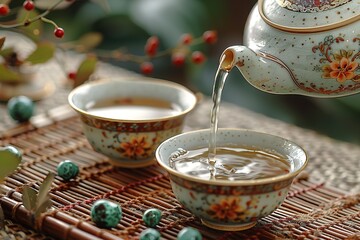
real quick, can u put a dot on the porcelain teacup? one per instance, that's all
(231, 205)
(131, 141)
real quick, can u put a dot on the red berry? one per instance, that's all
(59, 32)
(178, 59)
(147, 68)
(28, 5)
(72, 75)
(197, 57)
(210, 37)
(151, 46)
(4, 9)
(186, 38)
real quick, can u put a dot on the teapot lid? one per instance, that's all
(309, 15)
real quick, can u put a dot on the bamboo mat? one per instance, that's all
(312, 210)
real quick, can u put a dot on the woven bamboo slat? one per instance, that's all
(312, 210)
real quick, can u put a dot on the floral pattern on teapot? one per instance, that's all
(341, 65)
(311, 5)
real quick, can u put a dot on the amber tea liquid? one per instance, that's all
(231, 163)
(134, 108)
(227, 163)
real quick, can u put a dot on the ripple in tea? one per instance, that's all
(231, 163)
(134, 108)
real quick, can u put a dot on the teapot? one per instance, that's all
(304, 47)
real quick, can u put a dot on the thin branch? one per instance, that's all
(31, 20)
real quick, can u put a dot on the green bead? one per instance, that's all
(20, 108)
(106, 214)
(150, 234)
(67, 170)
(152, 217)
(189, 233)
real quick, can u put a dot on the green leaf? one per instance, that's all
(7, 75)
(10, 158)
(86, 68)
(2, 41)
(29, 198)
(34, 29)
(89, 41)
(44, 52)
(43, 194)
(47, 203)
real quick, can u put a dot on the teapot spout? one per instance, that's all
(233, 56)
(262, 71)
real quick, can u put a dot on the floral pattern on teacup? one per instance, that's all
(127, 146)
(231, 209)
(137, 146)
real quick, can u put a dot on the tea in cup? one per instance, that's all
(250, 179)
(126, 119)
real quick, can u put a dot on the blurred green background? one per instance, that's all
(128, 23)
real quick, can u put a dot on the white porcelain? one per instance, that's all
(231, 205)
(306, 47)
(131, 143)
